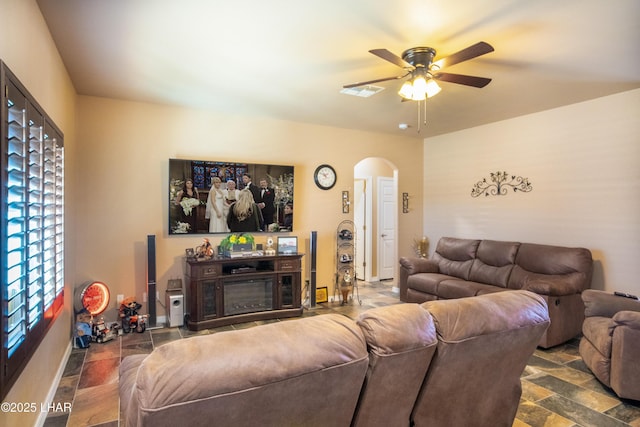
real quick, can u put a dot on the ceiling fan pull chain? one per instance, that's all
(418, 116)
(425, 112)
(423, 115)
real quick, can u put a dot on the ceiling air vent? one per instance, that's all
(362, 91)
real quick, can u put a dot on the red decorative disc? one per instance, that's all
(95, 298)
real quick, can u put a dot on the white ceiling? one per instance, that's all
(288, 59)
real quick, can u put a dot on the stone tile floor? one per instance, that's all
(558, 390)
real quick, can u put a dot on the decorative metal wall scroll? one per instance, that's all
(500, 184)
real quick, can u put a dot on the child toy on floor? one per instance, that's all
(82, 333)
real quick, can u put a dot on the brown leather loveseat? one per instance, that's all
(465, 267)
(398, 365)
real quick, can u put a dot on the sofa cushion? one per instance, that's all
(598, 331)
(414, 296)
(494, 262)
(497, 253)
(456, 288)
(128, 371)
(426, 282)
(599, 364)
(397, 329)
(401, 340)
(489, 274)
(457, 249)
(458, 269)
(599, 303)
(549, 263)
(455, 256)
(548, 259)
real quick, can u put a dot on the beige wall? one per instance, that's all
(28, 50)
(122, 172)
(583, 162)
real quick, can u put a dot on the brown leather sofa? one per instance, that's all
(465, 267)
(610, 343)
(328, 370)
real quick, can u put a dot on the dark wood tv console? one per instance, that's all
(224, 291)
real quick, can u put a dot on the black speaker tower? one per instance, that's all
(151, 279)
(313, 243)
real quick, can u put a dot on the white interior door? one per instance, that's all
(361, 216)
(386, 228)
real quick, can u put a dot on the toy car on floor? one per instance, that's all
(131, 320)
(102, 333)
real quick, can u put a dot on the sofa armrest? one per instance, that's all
(419, 265)
(551, 287)
(409, 266)
(627, 318)
(625, 351)
(604, 304)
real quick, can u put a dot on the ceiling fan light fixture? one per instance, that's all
(419, 88)
(419, 85)
(432, 88)
(406, 91)
(418, 95)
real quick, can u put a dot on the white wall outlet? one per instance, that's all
(144, 297)
(119, 298)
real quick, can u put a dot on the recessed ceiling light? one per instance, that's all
(403, 126)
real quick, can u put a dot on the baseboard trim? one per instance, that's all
(54, 386)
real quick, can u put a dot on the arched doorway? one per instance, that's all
(375, 218)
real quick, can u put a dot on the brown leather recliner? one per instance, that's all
(401, 340)
(610, 345)
(484, 344)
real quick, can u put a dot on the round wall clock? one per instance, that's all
(325, 177)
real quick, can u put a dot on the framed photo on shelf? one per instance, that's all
(322, 295)
(287, 245)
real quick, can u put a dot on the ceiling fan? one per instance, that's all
(423, 71)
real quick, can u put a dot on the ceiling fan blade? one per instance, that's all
(391, 57)
(368, 82)
(461, 79)
(471, 52)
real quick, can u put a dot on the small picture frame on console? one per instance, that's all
(287, 245)
(322, 295)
